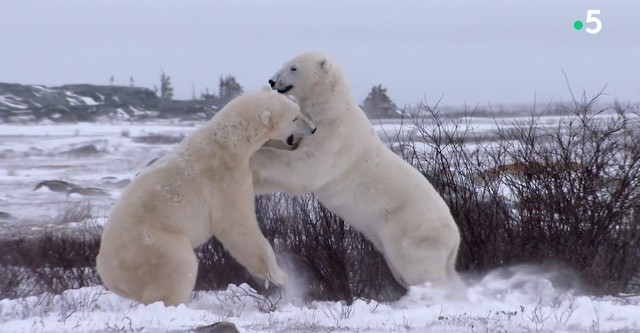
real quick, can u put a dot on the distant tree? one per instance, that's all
(229, 88)
(132, 82)
(111, 79)
(166, 90)
(208, 96)
(378, 104)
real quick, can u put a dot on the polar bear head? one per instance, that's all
(264, 116)
(308, 74)
(282, 124)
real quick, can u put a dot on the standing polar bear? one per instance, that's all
(202, 189)
(354, 175)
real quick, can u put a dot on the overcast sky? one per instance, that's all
(497, 52)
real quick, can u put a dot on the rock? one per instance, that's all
(56, 186)
(153, 160)
(34, 151)
(111, 181)
(219, 327)
(158, 139)
(69, 188)
(4, 216)
(90, 192)
(6, 153)
(122, 183)
(83, 151)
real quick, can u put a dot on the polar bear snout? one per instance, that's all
(305, 126)
(280, 87)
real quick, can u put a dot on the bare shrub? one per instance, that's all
(339, 262)
(217, 269)
(336, 261)
(438, 149)
(11, 278)
(75, 212)
(52, 260)
(48, 262)
(565, 192)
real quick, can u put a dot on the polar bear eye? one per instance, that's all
(294, 119)
(294, 68)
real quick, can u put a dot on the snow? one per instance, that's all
(43, 88)
(136, 111)
(526, 301)
(79, 100)
(33, 153)
(90, 129)
(122, 114)
(10, 101)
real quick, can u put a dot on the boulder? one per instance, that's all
(219, 327)
(83, 151)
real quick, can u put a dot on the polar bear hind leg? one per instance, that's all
(415, 261)
(178, 265)
(416, 256)
(164, 268)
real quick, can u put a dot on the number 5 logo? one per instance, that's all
(592, 19)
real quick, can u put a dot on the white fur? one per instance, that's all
(202, 189)
(354, 175)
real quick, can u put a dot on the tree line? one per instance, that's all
(377, 104)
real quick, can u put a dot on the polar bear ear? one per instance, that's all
(265, 117)
(324, 65)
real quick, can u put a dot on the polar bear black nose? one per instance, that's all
(314, 130)
(272, 83)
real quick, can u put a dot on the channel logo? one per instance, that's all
(595, 24)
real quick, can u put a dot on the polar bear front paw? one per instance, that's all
(278, 276)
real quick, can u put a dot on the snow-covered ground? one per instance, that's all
(518, 299)
(34, 153)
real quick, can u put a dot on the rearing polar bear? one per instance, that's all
(353, 174)
(202, 189)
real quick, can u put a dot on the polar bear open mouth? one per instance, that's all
(291, 140)
(285, 89)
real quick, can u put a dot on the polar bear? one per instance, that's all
(202, 189)
(353, 174)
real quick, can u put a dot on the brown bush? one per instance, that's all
(565, 193)
(335, 261)
(48, 262)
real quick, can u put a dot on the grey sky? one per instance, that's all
(472, 51)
